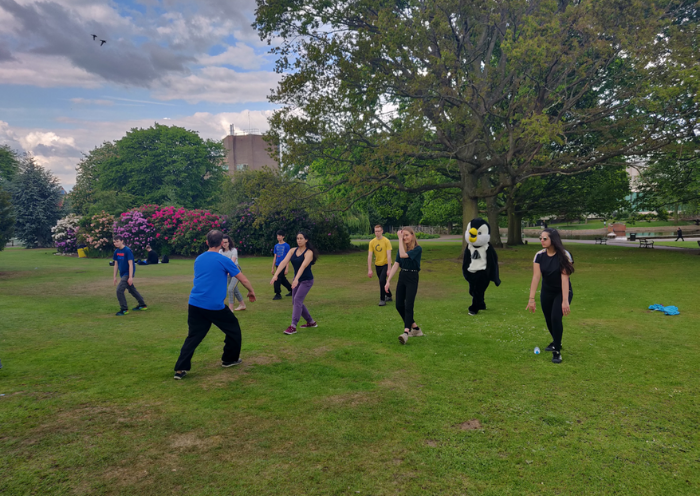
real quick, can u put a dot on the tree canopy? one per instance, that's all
(422, 95)
(166, 165)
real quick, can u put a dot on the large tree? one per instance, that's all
(36, 197)
(478, 96)
(162, 165)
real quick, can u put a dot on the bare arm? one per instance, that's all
(246, 283)
(565, 294)
(402, 248)
(130, 281)
(282, 266)
(115, 272)
(369, 264)
(536, 276)
(394, 270)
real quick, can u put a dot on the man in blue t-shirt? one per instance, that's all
(280, 251)
(124, 262)
(206, 305)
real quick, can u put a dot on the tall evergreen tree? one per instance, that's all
(7, 219)
(36, 196)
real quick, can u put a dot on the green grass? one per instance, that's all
(678, 244)
(90, 406)
(642, 224)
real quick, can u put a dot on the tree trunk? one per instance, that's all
(492, 214)
(515, 232)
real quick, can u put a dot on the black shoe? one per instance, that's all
(180, 375)
(550, 347)
(289, 294)
(388, 298)
(121, 313)
(277, 297)
(140, 307)
(231, 364)
(556, 357)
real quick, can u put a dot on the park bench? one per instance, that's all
(601, 241)
(645, 243)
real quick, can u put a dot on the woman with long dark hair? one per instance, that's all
(554, 265)
(301, 258)
(408, 259)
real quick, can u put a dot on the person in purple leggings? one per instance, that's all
(301, 258)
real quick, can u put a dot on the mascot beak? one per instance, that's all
(472, 234)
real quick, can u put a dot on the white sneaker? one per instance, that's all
(403, 338)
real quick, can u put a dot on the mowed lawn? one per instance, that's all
(90, 405)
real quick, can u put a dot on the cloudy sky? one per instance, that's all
(196, 64)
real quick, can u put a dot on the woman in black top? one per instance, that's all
(408, 258)
(302, 258)
(553, 265)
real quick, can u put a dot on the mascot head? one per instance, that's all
(478, 232)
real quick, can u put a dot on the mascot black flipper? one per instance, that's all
(480, 265)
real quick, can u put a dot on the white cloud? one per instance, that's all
(87, 101)
(46, 72)
(242, 56)
(218, 84)
(59, 150)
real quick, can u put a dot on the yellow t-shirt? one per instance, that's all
(380, 249)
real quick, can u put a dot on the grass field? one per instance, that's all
(90, 406)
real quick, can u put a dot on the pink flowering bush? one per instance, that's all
(189, 237)
(96, 233)
(136, 230)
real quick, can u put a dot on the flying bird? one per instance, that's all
(103, 42)
(94, 37)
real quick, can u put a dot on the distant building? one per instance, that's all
(248, 150)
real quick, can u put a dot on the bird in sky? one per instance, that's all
(102, 42)
(94, 37)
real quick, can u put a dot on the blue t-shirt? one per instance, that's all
(210, 281)
(281, 250)
(122, 257)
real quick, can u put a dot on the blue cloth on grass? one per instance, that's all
(670, 310)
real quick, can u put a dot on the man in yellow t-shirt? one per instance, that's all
(381, 247)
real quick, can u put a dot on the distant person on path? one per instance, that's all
(231, 253)
(152, 258)
(206, 306)
(124, 263)
(301, 258)
(554, 265)
(679, 234)
(280, 252)
(408, 259)
(381, 248)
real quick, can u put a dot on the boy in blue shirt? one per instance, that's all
(206, 305)
(280, 251)
(124, 262)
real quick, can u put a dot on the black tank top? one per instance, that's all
(296, 263)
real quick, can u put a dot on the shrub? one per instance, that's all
(136, 230)
(96, 232)
(65, 234)
(189, 237)
(328, 233)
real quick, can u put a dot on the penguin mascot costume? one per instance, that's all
(480, 265)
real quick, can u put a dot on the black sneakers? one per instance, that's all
(277, 297)
(231, 364)
(556, 357)
(388, 298)
(289, 294)
(550, 347)
(121, 313)
(180, 375)
(140, 307)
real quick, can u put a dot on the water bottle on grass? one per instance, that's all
(537, 350)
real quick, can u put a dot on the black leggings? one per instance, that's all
(551, 307)
(406, 290)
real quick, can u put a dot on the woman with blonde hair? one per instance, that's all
(408, 259)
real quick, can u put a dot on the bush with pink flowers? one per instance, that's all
(96, 232)
(190, 235)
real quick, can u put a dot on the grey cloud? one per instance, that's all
(54, 30)
(5, 54)
(60, 150)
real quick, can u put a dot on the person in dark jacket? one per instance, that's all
(408, 259)
(679, 234)
(152, 258)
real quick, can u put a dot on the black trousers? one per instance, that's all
(281, 281)
(199, 321)
(381, 274)
(551, 307)
(478, 284)
(406, 290)
(680, 237)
